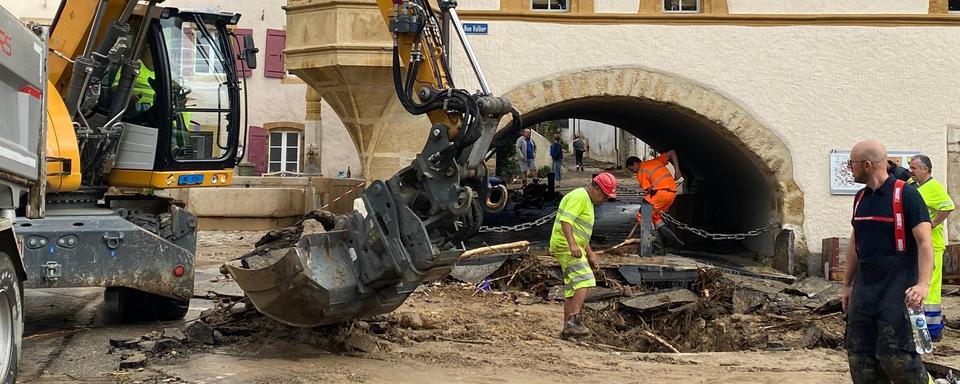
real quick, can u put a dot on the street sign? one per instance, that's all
(476, 28)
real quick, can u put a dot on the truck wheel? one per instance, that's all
(135, 305)
(11, 320)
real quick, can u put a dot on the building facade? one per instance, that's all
(759, 97)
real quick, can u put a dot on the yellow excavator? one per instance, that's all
(117, 98)
(409, 227)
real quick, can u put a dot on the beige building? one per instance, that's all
(759, 97)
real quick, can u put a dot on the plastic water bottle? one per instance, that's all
(921, 335)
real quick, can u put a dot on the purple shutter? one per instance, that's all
(242, 69)
(257, 151)
(273, 66)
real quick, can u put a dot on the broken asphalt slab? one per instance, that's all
(658, 274)
(473, 270)
(810, 287)
(770, 287)
(656, 300)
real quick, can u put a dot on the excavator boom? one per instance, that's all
(367, 263)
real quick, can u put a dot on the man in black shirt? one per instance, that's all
(888, 267)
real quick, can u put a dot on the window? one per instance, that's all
(678, 6)
(550, 5)
(206, 61)
(284, 152)
(197, 60)
(953, 5)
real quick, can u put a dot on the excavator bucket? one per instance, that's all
(281, 290)
(365, 265)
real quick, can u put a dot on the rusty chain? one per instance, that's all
(719, 236)
(703, 233)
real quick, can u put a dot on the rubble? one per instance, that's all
(411, 320)
(175, 334)
(362, 343)
(133, 360)
(200, 332)
(809, 287)
(668, 298)
(715, 311)
(473, 270)
(311, 226)
(747, 300)
(654, 274)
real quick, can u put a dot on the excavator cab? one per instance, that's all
(182, 121)
(154, 97)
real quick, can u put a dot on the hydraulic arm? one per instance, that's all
(368, 262)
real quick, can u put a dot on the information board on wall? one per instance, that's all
(841, 178)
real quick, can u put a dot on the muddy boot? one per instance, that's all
(573, 328)
(669, 237)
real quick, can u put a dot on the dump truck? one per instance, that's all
(114, 100)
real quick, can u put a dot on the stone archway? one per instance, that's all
(723, 116)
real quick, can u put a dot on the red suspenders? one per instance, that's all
(899, 232)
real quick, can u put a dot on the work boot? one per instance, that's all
(669, 236)
(574, 328)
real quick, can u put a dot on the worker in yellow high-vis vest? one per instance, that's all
(940, 205)
(570, 244)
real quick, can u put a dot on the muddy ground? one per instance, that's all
(446, 332)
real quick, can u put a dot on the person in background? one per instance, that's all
(579, 147)
(526, 155)
(897, 171)
(556, 153)
(939, 205)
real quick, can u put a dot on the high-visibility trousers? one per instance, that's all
(661, 201)
(931, 306)
(576, 272)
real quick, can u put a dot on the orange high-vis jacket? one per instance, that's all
(654, 175)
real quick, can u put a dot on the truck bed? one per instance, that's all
(22, 59)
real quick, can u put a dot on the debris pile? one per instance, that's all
(689, 309)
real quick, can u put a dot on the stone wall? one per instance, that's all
(259, 203)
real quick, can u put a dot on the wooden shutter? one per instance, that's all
(238, 47)
(257, 149)
(273, 60)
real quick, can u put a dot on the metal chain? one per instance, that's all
(702, 233)
(719, 236)
(519, 227)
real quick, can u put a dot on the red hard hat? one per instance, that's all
(607, 183)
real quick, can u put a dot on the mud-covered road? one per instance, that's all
(464, 338)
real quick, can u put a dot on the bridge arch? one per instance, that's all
(742, 171)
